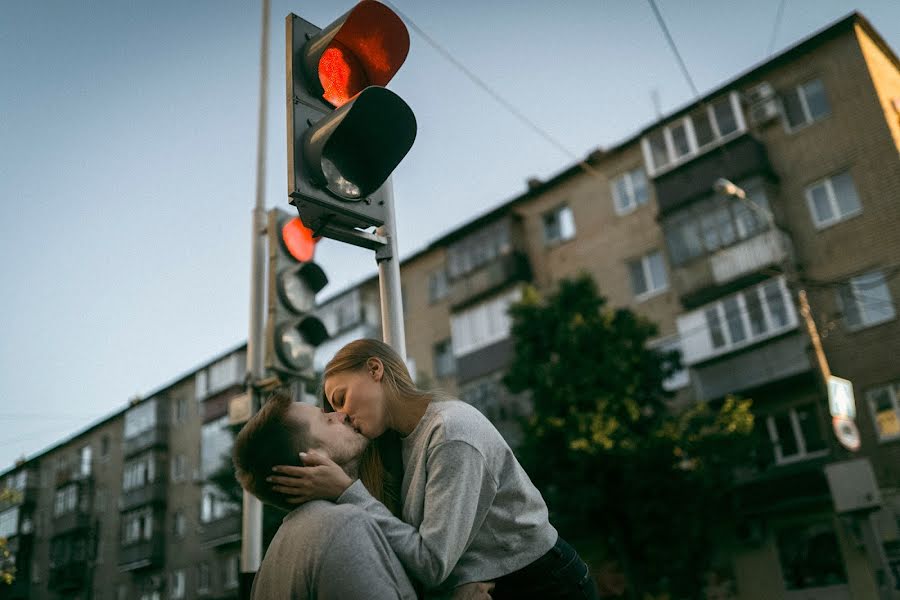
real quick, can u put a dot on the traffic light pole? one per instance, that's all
(389, 278)
(251, 515)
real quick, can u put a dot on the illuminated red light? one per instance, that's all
(299, 240)
(369, 49)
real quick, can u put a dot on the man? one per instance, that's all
(322, 550)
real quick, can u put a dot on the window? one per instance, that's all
(104, 447)
(648, 275)
(684, 138)
(9, 522)
(179, 524)
(559, 225)
(715, 223)
(137, 525)
(832, 200)
(804, 104)
(231, 571)
(141, 418)
(215, 445)
(179, 467)
(747, 317)
(810, 557)
(203, 578)
(437, 285)
(796, 434)
(65, 500)
(200, 385)
(478, 249)
(84, 456)
(225, 373)
(138, 472)
(215, 505)
(629, 190)
(866, 300)
(483, 324)
(884, 402)
(179, 410)
(176, 584)
(444, 363)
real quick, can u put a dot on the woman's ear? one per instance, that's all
(375, 368)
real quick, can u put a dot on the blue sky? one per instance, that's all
(128, 151)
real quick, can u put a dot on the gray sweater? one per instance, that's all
(471, 513)
(332, 552)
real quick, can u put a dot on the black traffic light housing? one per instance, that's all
(292, 332)
(346, 133)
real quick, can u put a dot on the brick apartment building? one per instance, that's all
(123, 509)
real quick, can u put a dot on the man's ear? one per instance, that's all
(375, 368)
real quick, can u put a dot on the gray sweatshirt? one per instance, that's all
(332, 552)
(471, 513)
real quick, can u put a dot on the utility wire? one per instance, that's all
(512, 109)
(674, 47)
(775, 28)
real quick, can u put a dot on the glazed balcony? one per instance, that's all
(155, 437)
(143, 554)
(500, 272)
(68, 577)
(226, 530)
(154, 492)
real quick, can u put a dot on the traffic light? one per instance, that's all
(292, 333)
(346, 133)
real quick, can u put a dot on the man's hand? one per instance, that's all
(320, 479)
(477, 590)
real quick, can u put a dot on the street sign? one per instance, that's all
(847, 433)
(840, 398)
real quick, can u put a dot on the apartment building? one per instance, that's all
(811, 137)
(125, 509)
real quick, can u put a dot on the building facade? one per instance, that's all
(126, 509)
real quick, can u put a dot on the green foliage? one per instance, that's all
(7, 561)
(611, 458)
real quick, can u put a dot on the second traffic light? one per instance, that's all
(292, 332)
(346, 133)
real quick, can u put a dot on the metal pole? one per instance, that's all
(251, 517)
(389, 278)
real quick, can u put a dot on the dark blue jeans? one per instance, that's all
(560, 573)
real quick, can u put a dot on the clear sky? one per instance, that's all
(128, 152)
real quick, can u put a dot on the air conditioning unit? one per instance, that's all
(759, 93)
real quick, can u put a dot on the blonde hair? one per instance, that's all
(381, 466)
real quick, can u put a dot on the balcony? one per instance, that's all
(152, 493)
(68, 577)
(220, 532)
(799, 486)
(740, 158)
(502, 271)
(484, 361)
(155, 437)
(771, 361)
(702, 279)
(71, 521)
(141, 555)
(26, 496)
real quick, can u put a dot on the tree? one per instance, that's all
(7, 560)
(605, 448)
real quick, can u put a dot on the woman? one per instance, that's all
(471, 513)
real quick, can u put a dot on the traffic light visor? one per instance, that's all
(366, 47)
(299, 240)
(355, 149)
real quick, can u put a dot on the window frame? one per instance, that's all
(833, 204)
(860, 307)
(646, 273)
(893, 391)
(633, 202)
(557, 213)
(796, 429)
(804, 106)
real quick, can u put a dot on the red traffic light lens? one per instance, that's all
(368, 49)
(299, 240)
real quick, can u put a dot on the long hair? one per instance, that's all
(381, 465)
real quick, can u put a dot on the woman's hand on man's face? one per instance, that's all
(319, 479)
